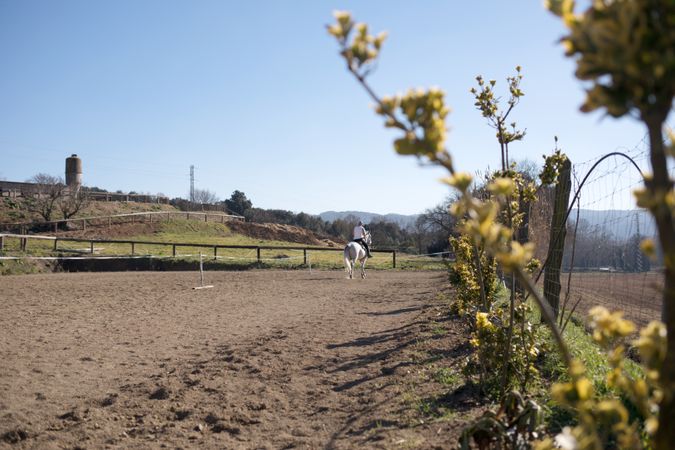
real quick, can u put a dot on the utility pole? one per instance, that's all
(192, 184)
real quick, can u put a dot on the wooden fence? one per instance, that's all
(24, 239)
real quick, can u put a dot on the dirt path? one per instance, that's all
(265, 359)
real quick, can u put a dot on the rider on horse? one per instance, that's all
(359, 233)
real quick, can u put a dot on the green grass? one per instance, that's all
(582, 346)
(18, 267)
(438, 330)
(447, 377)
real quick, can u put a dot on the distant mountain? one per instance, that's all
(620, 223)
(402, 220)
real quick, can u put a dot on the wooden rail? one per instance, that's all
(23, 244)
(108, 220)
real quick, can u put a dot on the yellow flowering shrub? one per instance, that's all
(489, 360)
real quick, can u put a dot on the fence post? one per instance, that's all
(215, 252)
(24, 244)
(206, 217)
(304, 252)
(84, 224)
(174, 250)
(56, 244)
(2, 243)
(556, 242)
(56, 227)
(394, 258)
(258, 254)
(133, 248)
(91, 250)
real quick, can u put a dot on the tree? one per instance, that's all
(435, 226)
(48, 190)
(51, 195)
(72, 202)
(204, 196)
(238, 203)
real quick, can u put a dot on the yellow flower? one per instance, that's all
(584, 389)
(652, 344)
(502, 186)
(648, 247)
(651, 425)
(518, 257)
(482, 321)
(611, 412)
(607, 326)
(460, 180)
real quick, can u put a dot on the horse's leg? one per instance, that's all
(363, 267)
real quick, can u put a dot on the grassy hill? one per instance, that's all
(13, 210)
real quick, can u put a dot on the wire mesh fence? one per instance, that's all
(602, 262)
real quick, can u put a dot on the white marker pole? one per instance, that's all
(201, 274)
(201, 270)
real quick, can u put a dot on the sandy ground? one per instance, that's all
(638, 295)
(264, 359)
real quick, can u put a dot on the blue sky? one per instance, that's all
(255, 96)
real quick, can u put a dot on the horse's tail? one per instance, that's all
(348, 260)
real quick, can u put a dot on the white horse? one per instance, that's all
(355, 252)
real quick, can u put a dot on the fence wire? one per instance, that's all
(602, 263)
